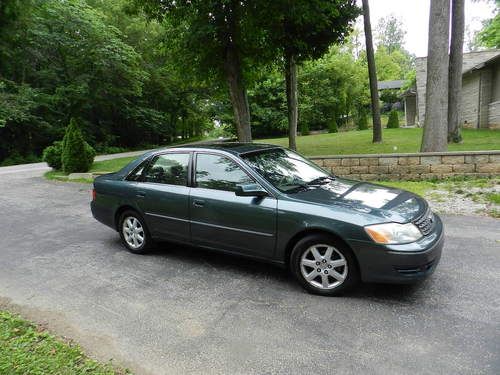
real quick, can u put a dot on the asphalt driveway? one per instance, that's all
(182, 310)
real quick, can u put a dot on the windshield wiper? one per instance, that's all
(321, 180)
(297, 186)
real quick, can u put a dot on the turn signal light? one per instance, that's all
(377, 236)
(93, 194)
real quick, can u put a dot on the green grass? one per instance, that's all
(394, 140)
(493, 198)
(27, 349)
(456, 185)
(112, 165)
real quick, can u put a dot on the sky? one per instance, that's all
(414, 14)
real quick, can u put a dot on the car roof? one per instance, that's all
(236, 148)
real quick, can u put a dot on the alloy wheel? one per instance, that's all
(323, 266)
(133, 232)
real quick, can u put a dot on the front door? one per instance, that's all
(220, 218)
(163, 196)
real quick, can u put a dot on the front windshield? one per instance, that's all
(285, 169)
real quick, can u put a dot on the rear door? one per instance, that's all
(163, 196)
(220, 219)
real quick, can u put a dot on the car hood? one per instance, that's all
(386, 203)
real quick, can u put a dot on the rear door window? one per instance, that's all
(170, 169)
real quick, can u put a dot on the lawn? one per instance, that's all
(395, 140)
(112, 165)
(28, 349)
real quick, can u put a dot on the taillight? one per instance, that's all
(93, 194)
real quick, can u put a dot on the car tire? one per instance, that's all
(134, 233)
(324, 265)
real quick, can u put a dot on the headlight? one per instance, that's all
(393, 233)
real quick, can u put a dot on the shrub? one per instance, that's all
(393, 122)
(89, 154)
(362, 120)
(332, 126)
(52, 155)
(77, 155)
(304, 128)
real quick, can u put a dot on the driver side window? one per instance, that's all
(219, 173)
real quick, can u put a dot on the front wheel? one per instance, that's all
(324, 265)
(134, 233)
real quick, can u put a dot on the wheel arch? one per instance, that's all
(311, 231)
(121, 209)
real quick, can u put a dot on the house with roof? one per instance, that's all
(480, 91)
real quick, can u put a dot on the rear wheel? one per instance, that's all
(324, 265)
(134, 233)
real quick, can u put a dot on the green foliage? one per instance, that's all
(362, 119)
(332, 126)
(77, 155)
(393, 122)
(28, 349)
(304, 128)
(333, 86)
(489, 36)
(268, 106)
(393, 65)
(52, 155)
(390, 96)
(410, 80)
(308, 27)
(90, 60)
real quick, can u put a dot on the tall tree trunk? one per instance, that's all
(436, 98)
(291, 99)
(238, 93)
(372, 73)
(455, 71)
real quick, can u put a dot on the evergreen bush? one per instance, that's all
(52, 155)
(393, 122)
(332, 126)
(304, 128)
(77, 155)
(362, 120)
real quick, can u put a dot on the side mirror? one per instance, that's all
(250, 190)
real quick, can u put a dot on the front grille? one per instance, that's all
(425, 222)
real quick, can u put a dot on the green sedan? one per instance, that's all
(272, 204)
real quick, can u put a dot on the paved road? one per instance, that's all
(182, 310)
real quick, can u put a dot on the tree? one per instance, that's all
(91, 60)
(489, 36)
(436, 98)
(332, 87)
(455, 70)
(218, 40)
(390, 33)
(77, 155)
(301, 30)
(372, 73)
(393, 122)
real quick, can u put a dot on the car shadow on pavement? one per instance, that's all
(198, 257)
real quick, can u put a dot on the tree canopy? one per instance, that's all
(140, 73)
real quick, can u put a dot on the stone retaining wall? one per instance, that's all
(415, 166)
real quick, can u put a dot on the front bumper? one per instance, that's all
(400, 263)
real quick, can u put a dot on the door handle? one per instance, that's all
(140, 194)
(198, 203)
